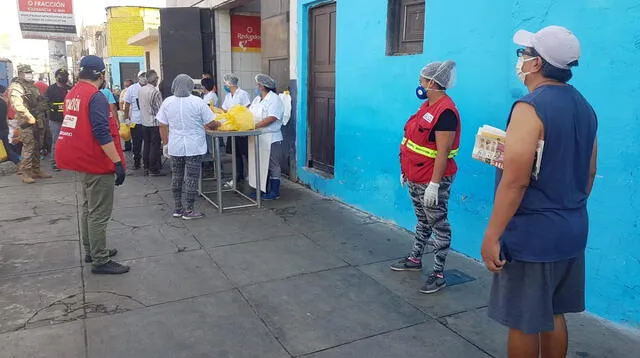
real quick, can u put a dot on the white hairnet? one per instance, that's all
(442, 73)
(142, 78)
(182, 86)
(230, 80)
(266, 81)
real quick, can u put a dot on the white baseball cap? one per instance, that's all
(556, 44)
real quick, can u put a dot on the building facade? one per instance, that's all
(123, 60)
(356, 78)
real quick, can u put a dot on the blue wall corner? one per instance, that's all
(115, 66)
(375, 96)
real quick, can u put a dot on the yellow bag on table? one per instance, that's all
(3, 152)
(237, 118)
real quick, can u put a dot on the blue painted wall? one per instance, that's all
(375, 96)
(115, 66)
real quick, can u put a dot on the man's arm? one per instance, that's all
(18, 104)
(521, 143)
(593, 166)
(99, 118)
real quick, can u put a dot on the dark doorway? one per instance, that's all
(322, 88)
(128, 71)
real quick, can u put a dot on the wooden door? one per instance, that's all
(322, 88)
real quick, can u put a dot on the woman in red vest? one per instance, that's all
(89, 143)
(431, 140)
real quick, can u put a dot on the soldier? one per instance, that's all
(30, 109)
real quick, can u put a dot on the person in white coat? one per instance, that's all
(268, 111)
(236, 96)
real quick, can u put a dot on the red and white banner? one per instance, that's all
(245, 33)
(47, 19)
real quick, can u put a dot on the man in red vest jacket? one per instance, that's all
(89, 143)
(431, 141)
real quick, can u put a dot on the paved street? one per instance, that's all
(305, 276)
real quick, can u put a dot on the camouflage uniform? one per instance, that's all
(31, 109)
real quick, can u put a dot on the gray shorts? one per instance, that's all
(527, 295)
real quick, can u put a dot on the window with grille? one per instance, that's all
(405, 27)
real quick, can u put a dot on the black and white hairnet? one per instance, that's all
(266, 81)
(230, 80)
(442, 73)
(182, 86)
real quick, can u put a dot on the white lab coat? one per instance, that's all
(270, 106)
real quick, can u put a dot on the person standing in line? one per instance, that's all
(183, 119)
(4, 127)
(210, 98)
(537, 234)
(431, 141)
(236, 96)
(44, 133)
(122, 103)
(28, 105)
(89, 143)
(55, 97)
(150, 102)
(132, 114)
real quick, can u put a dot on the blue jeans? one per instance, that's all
(4, 137)
(54, 127)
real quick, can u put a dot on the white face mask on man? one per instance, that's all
(28, 76)
(522, 75)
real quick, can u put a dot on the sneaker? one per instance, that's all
(178, 213)
(191, 215)
(407, 264)
(55, 168)
(110, 268)
(112, 253)
(434, 283)
(157, 174)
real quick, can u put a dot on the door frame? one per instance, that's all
(304, 34)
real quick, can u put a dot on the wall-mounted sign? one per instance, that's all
(47, 19)
(245, 33)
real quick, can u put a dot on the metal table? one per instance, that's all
(215, 136)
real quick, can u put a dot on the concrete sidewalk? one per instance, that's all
(305, 276)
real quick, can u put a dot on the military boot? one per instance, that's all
(19, 170)
(39, 174)
(27, 177)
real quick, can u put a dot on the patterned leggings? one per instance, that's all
(432, 220)
(186, 173)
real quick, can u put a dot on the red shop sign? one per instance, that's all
(245, 33)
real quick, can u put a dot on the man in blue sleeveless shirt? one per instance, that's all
(537, 234)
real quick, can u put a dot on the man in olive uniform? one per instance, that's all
(31, 109)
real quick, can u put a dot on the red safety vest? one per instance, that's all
(417, 153)
(77, 149)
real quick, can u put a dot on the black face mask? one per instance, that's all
(63, 79)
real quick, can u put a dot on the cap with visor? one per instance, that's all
(555, 44)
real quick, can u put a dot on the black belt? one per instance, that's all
(26, 125)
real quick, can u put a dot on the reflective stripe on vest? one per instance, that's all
(429, 153)
(60, 106)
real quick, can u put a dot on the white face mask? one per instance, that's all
(28, 76)
(522, 75)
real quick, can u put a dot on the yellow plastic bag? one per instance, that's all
(125, 131)
(3, 152)
(237, 118)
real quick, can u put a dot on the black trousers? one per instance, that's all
(152, 151)
(242, 150)
(137, 137)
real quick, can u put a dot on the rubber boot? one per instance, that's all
(274, 191)
(27, 177)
